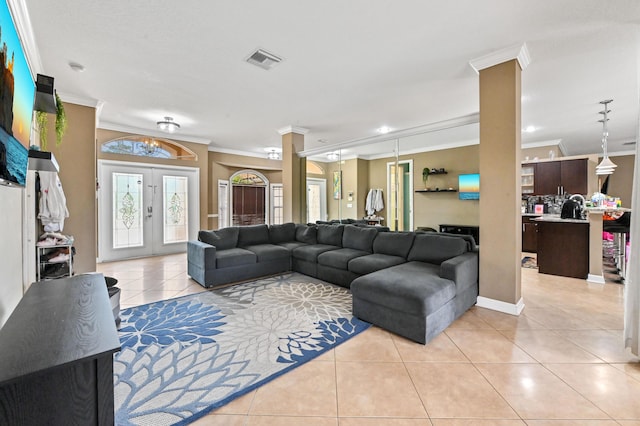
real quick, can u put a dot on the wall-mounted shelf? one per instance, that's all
(436, 190)
(437, 172)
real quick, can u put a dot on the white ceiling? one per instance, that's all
(349, 66)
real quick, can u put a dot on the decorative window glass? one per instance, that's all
(148, 147)
(127, 226)
(248, 178)
(175, 209)
(277, 204)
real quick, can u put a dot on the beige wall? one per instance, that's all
(541, 152)
(621, 182)
(201, 163)
(76, 157)
(222, 166)
(355, 174)
(432, 209)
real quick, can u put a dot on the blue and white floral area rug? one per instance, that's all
(182, 358)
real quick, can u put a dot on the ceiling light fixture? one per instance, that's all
(606, 166)
(333, 156)
(149, 147)
(530, 129)
(273, 155)
(384, 130)
(168, 125)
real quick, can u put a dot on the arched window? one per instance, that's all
(145, 146)
(249, 198)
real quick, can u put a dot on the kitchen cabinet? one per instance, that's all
(557, 177)
(527, 178)
(529, 234)
(563, 248)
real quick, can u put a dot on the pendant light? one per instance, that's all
(606, 166)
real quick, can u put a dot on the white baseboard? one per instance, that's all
(500, 306)
(596, 279)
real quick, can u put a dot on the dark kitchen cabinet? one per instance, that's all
(563, 249)
(529, 234)
(557, 177)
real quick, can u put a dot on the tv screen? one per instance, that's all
(469, 186)
(17, 91)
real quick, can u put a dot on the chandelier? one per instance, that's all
(149, 147)
(606, 166)
(168, 125)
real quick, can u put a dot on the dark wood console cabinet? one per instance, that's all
(563, 249)
(529, 234)
(474, 231)
(56, 353)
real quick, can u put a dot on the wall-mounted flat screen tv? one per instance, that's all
(17, 91)
(469, 186)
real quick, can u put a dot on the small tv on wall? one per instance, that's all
(469, 186)
(17, 91)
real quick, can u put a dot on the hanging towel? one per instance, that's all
(369, 205)
(53, 203)
(378, 204)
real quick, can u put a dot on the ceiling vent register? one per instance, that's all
(263, 59)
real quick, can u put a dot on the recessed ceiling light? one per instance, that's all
(384, 130)
(322, 140)
(76, 67)
(529, 129)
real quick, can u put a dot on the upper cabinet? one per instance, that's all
(559, 177)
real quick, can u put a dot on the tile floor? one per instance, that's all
(561, 362)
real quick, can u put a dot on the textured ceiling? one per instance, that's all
(349, 66)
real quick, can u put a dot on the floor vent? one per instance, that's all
(263, 59)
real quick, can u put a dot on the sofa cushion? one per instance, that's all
(393, 243)
(433, 248)
(221, 239)
(330, 235)
(413, 288)
(310, 252)
(306, 234)
(358, 238)
(252, 235)
(267, 252)
(340, 258)
(282, 233)
(235, 257)
(291, 245)
(374, 262)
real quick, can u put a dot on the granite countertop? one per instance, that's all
(557, 218)
(532, 214)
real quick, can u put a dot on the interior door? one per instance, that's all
(145, 210)
(316, 200)
(400, 196)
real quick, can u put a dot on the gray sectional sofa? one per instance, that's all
(411, 283)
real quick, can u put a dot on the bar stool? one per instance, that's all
(620, 230)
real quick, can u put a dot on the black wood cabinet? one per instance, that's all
(56, 353)
(474, 231)
(563, 249)
(556, 177)
(529, 234)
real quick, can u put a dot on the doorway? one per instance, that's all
(145, 210)
(316, 200)
(400, 195)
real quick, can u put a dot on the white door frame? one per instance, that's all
(267, 194)
(323, 196)
(103, 202)
(389, 206)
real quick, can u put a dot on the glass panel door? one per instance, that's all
(144, 210)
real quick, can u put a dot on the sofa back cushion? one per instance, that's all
(434, 248)
(221, 239)
(252, 235)
(393, 243)
(282, 233)
(358, 238)
(330, 234)
(306, 233)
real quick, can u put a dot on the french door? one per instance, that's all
(145, 210)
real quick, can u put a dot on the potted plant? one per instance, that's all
(61, 124)
(425, 176)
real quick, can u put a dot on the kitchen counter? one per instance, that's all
(557, 218)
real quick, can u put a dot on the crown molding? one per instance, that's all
(80, 100)
(618, 153)
(540, 144)
(396, 134)
(293, 129)
(20, 14)
(237, 152)
(518, 51)
(105, 125)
